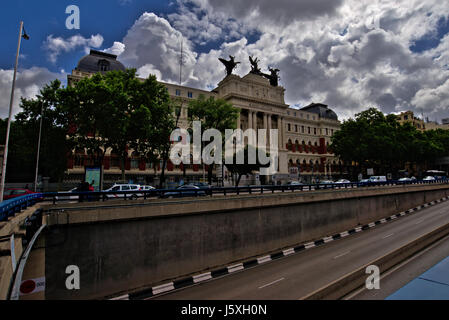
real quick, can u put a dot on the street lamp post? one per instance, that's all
(38, 147)
(5, 156)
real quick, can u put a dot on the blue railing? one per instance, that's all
(223, 191)
(9, 208)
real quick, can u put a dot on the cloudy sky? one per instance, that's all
(349, 54)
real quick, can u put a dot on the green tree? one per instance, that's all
(213, 114)
(117, 110)
(25, 134)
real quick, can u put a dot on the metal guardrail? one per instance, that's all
(9, 208)
(16, 281)
(56, 197)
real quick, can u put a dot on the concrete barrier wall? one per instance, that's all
(147, 243)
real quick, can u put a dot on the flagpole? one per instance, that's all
(38, 147)
(5, 155)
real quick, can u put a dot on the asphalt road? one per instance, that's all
(407, 271)
(295, 276)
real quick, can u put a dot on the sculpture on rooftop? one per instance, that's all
(273, 77)
(230, 65)
(255, 65)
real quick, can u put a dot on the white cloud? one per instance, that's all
(28, 84)
(153, 41)
(340, 52)
(56, 45)
(117, 48)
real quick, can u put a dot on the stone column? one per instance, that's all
(250, 119)
(255, 122)
(280, 133)
(239, 119)
(268, 127)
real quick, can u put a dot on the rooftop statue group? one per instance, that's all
(232, 64)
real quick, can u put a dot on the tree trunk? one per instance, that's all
(209, 174)
(238, 180)
(164, 165)
(123, 169)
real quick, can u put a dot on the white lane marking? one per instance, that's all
(289, 252)
(418, 222)
(202, 277)
(235, 268)
(387, 236)
(264, 259)
(125, 297)
(163, 288)
(271, 283)
(341, 255)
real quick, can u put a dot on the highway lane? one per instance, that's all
(401, 275)
(295, 276)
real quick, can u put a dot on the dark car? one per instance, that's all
(201, 185)
(185, 191)
(11, 193)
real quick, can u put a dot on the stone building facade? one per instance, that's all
(304, 134)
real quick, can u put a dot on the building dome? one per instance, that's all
(98, 61)
(321, 110)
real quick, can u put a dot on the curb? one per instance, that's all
(192, 280)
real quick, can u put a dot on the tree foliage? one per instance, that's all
(374, 140)
(213, 114)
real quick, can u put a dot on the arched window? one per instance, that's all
(135, 159)
(103, 65)
(80, 158)
(115, 160)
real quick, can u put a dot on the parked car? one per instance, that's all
(378, 179)
(405, 180)
(11, 193)
(201, 185)
(327, 182)
(293, 184)
(66, 195)
(190, 191)
(122, 188)
(429, 178)
(342, 181)
(147, 188)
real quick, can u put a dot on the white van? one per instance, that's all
(124, 187)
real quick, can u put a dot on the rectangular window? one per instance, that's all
(178, 92)
(314, 131)
(327, 132)
(289, 127)
(296, 128)
(302, 129)
(190, 94)
(308, 128)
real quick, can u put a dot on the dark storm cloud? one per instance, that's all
(280, 11)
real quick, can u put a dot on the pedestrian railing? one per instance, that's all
(9, 208)
(56, 197)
